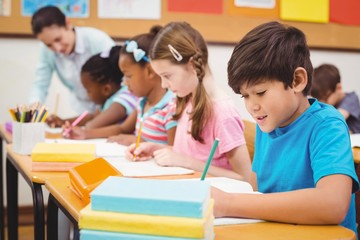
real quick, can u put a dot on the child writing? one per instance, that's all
(155, 108)
(102, 78)
(179, 55)
(303, 161)
(327, 88)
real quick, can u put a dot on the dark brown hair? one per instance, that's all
(192, 47)
(46, 17)
(325, 79)
(271, 51)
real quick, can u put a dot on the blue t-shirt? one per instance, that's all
(315, 145)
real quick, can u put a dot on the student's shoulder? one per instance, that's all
(326, 117)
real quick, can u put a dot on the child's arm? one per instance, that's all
(55, 121)
(167, 157)
(327, 203)
(110, 116)
(128, 127)
(171, 135)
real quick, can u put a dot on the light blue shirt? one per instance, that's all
(315, 145)
(89, 41)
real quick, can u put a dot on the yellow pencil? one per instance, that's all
(13, 115)
(139, 135)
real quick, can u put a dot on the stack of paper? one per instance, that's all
(131, 208)
(60, 156)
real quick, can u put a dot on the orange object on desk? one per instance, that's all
(86, 177)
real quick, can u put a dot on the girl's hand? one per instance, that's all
(54, 121)
(167, 157)
(143, 152)
(77, 133)
(123, 139)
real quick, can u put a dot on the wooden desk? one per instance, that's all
(7, 138)
(62, 197)
(356, 154)
(16, 163)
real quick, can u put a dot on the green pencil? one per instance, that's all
(216, 142)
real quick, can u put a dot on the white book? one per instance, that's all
(144, 168)
(231, 186)
(355, 140)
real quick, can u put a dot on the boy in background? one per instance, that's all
(327, 88)
(64, 50)
(303, 161)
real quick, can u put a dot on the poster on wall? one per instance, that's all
(196, 6)
(345, 12)
(255, 3)
(305, 10)
(71, 8)
(5, 7)
(129, 9)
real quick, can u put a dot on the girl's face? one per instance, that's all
(180, 79)
(134, 76)
(95, 91)
(58, 39)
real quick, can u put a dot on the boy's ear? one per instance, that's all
(338, 87)
(300, 79)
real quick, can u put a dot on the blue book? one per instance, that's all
(151, 196)
(86, 234)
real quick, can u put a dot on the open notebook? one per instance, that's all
(114, 154)
(231, 186)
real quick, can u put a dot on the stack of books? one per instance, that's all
(133, 208)
(57, 157)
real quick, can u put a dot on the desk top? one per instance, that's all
(59, 188)
(23, 164)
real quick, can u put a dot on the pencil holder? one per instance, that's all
(26, 135)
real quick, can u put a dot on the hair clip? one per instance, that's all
(175, 53)
(139, 54)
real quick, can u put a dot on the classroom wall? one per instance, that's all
(18, 58)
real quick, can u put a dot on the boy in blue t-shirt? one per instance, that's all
(303, 160)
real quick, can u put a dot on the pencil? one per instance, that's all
(213, 149)
(74, 123)
(139, 135)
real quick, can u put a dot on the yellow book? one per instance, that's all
(148, 224)
(63, 152)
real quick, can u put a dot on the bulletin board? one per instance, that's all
(216, 28)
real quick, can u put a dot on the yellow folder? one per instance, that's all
(63, 152)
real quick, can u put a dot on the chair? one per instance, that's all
(250, 128)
